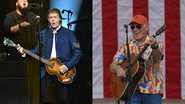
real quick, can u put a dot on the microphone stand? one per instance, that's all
(68, 18)
(40, 43)
(68, 26)
(129, 63)
(69, 13)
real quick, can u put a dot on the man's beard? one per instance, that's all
(23, 11)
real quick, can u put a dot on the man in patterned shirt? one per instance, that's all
(150, 86)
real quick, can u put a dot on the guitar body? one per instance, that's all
(120, 88)
(65, 78)
(52, 65)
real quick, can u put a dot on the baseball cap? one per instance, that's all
(140, 19)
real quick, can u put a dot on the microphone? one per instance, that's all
(37, 18)
(125, 26)
(69, 11)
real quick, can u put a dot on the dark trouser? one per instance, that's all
(139, 98)
(62, 90)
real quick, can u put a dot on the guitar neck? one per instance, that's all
(141, 52)
(37, 57)
(139, 55)
(162, 29)
(11, 43)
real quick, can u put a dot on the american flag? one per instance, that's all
(109, 17)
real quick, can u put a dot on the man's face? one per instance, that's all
(54, 20)
(22, 4)
(139, 31)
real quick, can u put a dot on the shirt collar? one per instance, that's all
(56, 29)
(136, 42)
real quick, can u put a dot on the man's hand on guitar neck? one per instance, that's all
(152, 41)
(20, 50)
(156, 52)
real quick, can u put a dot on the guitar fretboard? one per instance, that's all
(36, 56)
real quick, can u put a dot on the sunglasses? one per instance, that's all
(138, 26)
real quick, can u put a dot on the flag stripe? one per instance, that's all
(97, 50)
(182, 49)
(125, 12)
(173, 55)
(140, 7)
(109, 39)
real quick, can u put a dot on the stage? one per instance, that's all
(112, 101)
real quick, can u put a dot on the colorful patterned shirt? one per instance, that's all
(152, 80)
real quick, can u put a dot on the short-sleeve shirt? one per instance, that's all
(152, 80)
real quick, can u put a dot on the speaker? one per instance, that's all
(14, 83)
(14, 69)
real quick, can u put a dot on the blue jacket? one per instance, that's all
(67, 47)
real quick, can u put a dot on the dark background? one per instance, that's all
(13, 72)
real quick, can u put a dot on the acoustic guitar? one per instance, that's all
(52, 65)
(123, 88)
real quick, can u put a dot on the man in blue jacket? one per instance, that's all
(58, 43)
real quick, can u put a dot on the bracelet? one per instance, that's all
(154, 46)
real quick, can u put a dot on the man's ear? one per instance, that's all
(60, 20)
(16, 4)
(147, 27)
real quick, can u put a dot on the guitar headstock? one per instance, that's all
(8, 42)
(158, 32)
